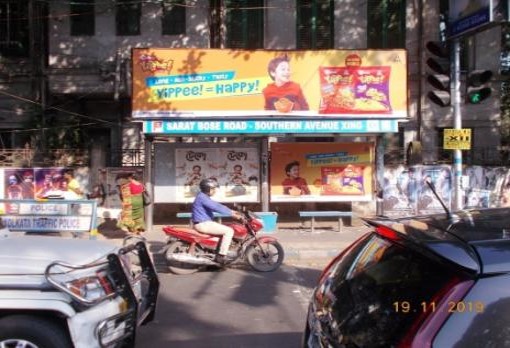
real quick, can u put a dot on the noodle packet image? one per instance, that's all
(358, 90)
(344, 180)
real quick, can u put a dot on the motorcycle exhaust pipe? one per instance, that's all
(190, 259)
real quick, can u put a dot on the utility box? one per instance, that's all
(269, 218)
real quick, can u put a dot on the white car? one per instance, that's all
(61, 292)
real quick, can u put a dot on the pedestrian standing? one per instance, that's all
(73, 185)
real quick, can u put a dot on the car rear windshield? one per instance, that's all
(381, 289)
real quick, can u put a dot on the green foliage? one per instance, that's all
(55, 130)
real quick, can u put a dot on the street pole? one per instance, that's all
(457, 124)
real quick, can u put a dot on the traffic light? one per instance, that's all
(478, 86)
(439, 79)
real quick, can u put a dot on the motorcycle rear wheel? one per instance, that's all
(176, 267)
(269, 262)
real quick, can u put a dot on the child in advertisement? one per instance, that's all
(283, 95)
(294, 185)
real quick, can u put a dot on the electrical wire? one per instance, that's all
(100, 120)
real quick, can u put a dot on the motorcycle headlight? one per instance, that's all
(91, 287)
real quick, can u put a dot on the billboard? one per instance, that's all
(321, 172)
(180, 168)
(173, 83)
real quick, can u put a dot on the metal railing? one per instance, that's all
(68, 158)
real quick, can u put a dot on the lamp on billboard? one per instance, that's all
(439, 79)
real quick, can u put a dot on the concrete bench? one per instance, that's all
(337, 214)
(187, 215)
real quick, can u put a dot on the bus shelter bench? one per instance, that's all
(337, 214)
(186, 215)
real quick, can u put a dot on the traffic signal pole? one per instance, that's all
(457, 124)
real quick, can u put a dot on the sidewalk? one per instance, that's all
(299, 243)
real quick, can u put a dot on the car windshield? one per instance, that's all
(379, 289)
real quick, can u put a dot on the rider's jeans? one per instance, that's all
(212, 227)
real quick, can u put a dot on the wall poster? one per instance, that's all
(182, 167)
(321, 172)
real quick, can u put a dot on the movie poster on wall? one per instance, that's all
(321, 172)
(441, 178)
(235, 170)
(400, 190)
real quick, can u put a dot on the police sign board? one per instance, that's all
(457, 139)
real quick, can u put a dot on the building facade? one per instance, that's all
(72, 67)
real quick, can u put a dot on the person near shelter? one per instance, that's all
(72, 184)
(283, 94)
(132, 216)
(293, 184)
(202, 216)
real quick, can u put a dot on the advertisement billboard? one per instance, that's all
(173, 83)
(180, 169)
(321, 172)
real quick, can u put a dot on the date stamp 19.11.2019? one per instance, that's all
(450, 307)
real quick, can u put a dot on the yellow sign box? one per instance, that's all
(457, 139)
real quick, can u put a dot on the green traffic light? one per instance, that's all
(478, 95)
(475, 98)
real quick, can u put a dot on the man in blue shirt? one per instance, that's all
(202, 216)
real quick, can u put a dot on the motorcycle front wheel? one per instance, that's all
(174, 266)
(266, 257)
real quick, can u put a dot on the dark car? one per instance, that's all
(430, 281)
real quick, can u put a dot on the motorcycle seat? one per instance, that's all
(191, 231)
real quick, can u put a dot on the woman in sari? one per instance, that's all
(132, 215)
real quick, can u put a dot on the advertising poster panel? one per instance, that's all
(180, 170)
(321, 172)
(175, 83)
(400, 190)
(441, 177)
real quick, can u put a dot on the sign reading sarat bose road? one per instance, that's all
(214, 83)
(271, 126)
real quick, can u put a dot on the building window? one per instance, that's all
(245, 23)
(315, 22)
(386, 23)
(14, 30)
(174, 17)
(83, 18)
(127, 17)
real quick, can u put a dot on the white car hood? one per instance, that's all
(32, 254)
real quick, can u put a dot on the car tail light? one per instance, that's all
(427, 325)
(387, 232)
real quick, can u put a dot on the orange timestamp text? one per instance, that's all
(450, 307)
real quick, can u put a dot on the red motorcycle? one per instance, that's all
(188, 251)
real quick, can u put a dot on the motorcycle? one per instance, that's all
(188, 251)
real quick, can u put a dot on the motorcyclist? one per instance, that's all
(202, 216)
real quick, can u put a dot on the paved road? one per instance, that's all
(236, 308)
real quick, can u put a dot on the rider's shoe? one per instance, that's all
(221, 259)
